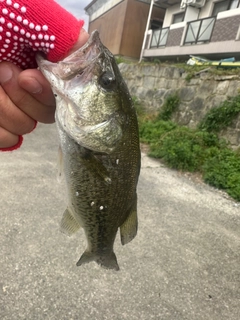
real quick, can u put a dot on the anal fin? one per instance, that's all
(128, 229)
(68, 224)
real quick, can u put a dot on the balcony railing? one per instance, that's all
(199, 31)
(159, 38)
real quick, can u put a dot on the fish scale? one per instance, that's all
(99, 149)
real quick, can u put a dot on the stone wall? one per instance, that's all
(153, 83)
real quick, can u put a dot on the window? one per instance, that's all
(224, 6)
(155, 24)
(178, 17)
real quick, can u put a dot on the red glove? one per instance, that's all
(28, 26)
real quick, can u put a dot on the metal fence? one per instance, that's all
(199, 31)
(159, 38)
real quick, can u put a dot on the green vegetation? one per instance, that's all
(152, 131)
(218, 71)
(185, 149)
(193, 71)
(221, 117)
(222, 171)
(170, 105)
(121, 59)
(197, 150)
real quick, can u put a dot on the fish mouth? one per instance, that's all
(76, 62)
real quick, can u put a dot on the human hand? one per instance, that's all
(82, 39)
(25, 97)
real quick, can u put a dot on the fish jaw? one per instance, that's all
(76, 62)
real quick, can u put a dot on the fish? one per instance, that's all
(99, 149)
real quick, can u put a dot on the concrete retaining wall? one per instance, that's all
(153, 83)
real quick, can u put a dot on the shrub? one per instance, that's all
(120, 59)
(221, 117)
(152, 131)
(222, 171)
(169, 107)
(184, 149)
(194, 150)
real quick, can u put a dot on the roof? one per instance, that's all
(90, 4)
(164, 4)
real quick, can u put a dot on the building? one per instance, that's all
(209, 28)
(122, 24)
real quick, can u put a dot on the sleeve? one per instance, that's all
(28, 26)
(18, 145)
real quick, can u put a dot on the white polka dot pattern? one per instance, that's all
(20, 37)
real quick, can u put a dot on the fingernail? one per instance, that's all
(34, 87)
(5, 73)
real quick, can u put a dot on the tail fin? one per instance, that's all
(108, 261)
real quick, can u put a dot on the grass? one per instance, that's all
(198, 150)
(221, 117)
(192, 71)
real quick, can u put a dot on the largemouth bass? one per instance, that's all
(99, 147)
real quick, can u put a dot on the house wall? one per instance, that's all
(191, 13)
(134, 27)
(225, 29)
(110, 26)
(169, 14)
(122, 27)
(206, 11)
(99, 7)
(174, 37)
(223, 43)
(212, 50)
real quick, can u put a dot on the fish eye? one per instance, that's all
(107, 81)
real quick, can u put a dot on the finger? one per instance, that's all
(12, 118)
(33, 81)
(21, 98)
(7, 139)
(82, 39)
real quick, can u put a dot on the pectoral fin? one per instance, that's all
(128, 229)
(95, 166)
(68, 224)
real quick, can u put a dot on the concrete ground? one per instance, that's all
(184, 263)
